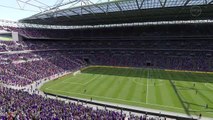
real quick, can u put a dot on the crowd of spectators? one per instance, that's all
(25, 68)
(20, 105)
(166, 54)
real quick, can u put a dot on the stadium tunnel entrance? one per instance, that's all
(87, 60)
(148, 64)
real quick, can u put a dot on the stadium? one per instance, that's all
(107, 60)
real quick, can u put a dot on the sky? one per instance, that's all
(16, 9)
(10, 9)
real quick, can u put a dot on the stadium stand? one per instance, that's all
(181, 52)
(174, 49)
(43, 52)
(23, 69)
(22, 105)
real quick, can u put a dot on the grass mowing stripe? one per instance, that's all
(147, 87)
(106, 84)
(204, 94)
(143, 94)
(162, 93)
(171, 97)
(124, 89)
(197, 99)
(122, 86)
(139, 92)
(92, 88)
(172, 77)
(131, 92)
(112, 85)
(188, 99)
(118, 89)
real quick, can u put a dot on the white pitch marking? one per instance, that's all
(207, 85)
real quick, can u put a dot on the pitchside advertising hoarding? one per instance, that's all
(8, 36)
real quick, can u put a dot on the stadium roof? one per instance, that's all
(125, 11)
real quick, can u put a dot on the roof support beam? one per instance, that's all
(63, 4)
(137, 4)
(164, 4)
(50, 15)
(100, 8)
(53, 13)
(18, 4)
(142, 4)
(161, 3)
(74, 12)
(43, 19)
(107, 9)
(119, 7)
(96, 6)
(19, 8)
(42, 3)
(41, 8)
(87, 10)
(211, 2)
(90, 11)
(67, 15)
(187, 2)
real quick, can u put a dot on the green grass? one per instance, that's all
(151, 88)
(6, 38)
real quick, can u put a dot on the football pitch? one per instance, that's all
(177, 91)
(6, 38)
